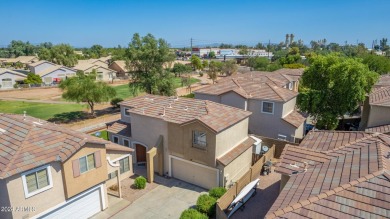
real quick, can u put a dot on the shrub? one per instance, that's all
(206, 204)
(114, 187)
(192, 214)
(201, 74)
(191, 95)
(140, 182)
(217, 192)
(115, 102)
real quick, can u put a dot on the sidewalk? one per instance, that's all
(115, 205)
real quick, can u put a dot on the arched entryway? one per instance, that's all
(140, 152)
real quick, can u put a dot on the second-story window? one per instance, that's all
(267, 107)
(87, 163)
(199, 139)
(127, 113)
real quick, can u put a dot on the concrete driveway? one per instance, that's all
(167, 200)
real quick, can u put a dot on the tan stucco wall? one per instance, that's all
(114, 155)
(237, 168)
(365, 114)
(125, 118)
(379, 115)
(234, 100)
(180, 143)
(41, 201)
(283, 181)
(86, 180)
(229, 138)
(288, 106)
(299, 132)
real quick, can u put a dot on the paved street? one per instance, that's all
(167, 200)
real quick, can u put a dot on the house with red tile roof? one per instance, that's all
(270, 96)
(198, 141)
(48, 171)
(376, 107)
(335, 175)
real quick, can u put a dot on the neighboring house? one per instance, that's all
(271, 97)
(120, 67)
(101, 68)
(197, 141)
(8, 78)
(335, 175)
(376, 108)
(50, 72)
(49, 171)
(23, 60)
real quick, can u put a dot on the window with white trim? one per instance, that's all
(115, 139)
(199, 139)
(112, 175)
(37, 180)
(87, 163)
(290, 85)
(126, 143)
(124, 165)
(267, 107)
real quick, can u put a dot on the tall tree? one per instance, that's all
(179, 69)
(146, 56)
(333, 86)
(229, 67)
(379, 64)
(196, 62)
(84, 88)
(214, 69)
(62, 54)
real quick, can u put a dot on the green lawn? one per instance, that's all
(123, 91)
(103, 135)
(177, 81)
(39, 110)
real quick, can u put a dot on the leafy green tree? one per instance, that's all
(179, 69)
(33, 79)
(212, 55)
(196, 62)
(205, 64)
(258, 63)
(62, 54)
(214, 69)
(146, 57)
(229, 67)
(333, 86)
(84, 88)
(96, 51)
(379, 64)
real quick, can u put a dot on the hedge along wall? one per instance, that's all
(252, 174)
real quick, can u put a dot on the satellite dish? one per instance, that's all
(98, 134)
(265, 148)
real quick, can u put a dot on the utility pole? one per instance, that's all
(191, 45)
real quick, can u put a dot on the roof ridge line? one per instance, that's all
(17, 151)
(322, 195)
(351, 143)
(275, 91)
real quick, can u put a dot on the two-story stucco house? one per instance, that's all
(48, 171)
(9, 77)
(50, 72)
(269, 96)
(100, 66)
(198, 141)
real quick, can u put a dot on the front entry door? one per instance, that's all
(141, 153)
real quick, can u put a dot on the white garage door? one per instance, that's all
(200, 175)
(6, 83)
(82, 206)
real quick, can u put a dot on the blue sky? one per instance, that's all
(111, 23)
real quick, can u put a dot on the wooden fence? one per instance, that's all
(279, 144)
(249, 176)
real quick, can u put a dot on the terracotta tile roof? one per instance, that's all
(121, 128)
(295, 118)
(183, 110)
(29, 143)
(380, 97)
(236, 152)
(381, 129)
(259, 88)
(350, 180)
(384, 80)
(328, 140)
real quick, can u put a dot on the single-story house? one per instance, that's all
(9, 77)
